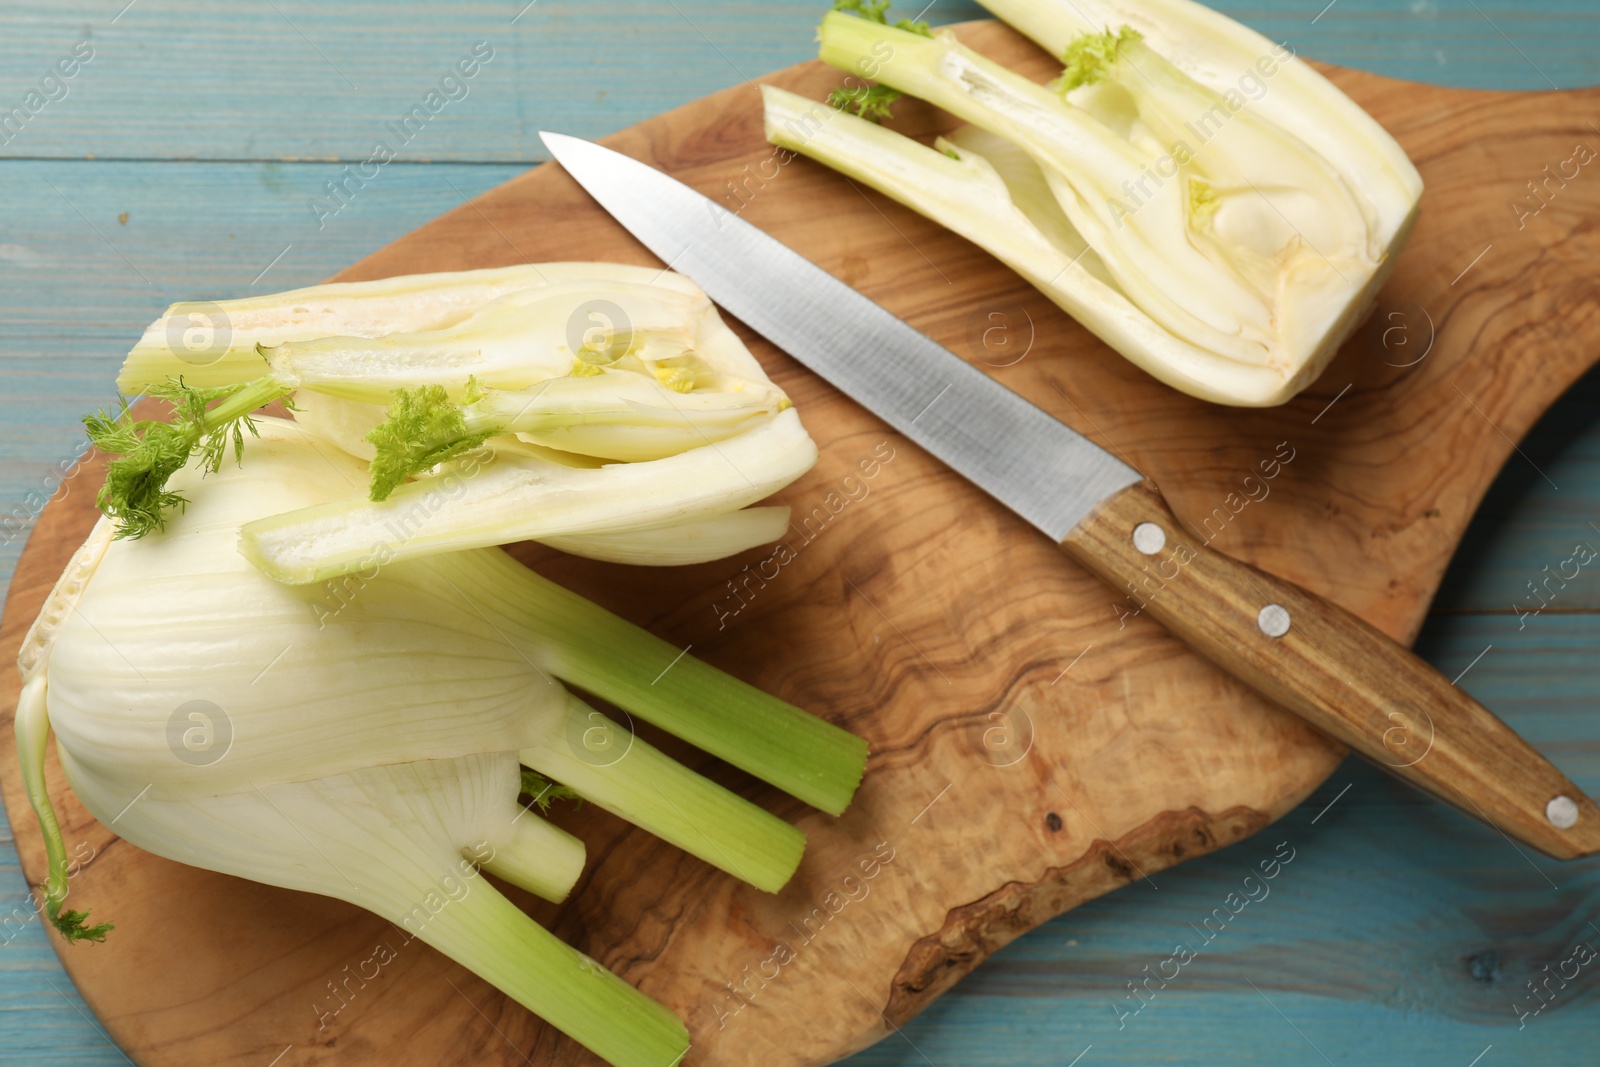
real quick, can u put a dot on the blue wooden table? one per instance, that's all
(184, 158)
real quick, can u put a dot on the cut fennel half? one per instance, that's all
(605, 409)
(1145, 193)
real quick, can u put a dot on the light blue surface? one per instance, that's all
(1400, 934)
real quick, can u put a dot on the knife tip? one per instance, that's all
(555, 141)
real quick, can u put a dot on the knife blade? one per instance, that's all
(1303, 653)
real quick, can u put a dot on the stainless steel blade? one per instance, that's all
(1032, 463)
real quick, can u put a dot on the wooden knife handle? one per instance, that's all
(1333, 670)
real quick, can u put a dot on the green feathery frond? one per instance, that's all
(878, 11)
(423, 429)
(149, 452)
(71, 924)
(544, 792)
(871, 102)
(1089, 58)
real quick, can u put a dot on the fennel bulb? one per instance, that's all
(220, 719)
(579, 388)
(1195, 195)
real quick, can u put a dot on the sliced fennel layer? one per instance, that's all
(675, 544)
(698, 539)
(1141, 193)
(512, 342)
(1225, 56)
(509, 497)
(341, 422)
(624, 414)
(214, 343)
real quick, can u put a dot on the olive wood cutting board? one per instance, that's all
(1034, 744)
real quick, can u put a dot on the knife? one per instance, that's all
(1299, 651)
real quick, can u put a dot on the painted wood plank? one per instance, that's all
(1518, 556)
(305, 80)
(43, 1020)
(300, 79)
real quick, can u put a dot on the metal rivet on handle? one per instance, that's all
(1149, 538)
(1562, 811)
(1273, 620)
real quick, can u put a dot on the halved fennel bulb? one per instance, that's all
(605, 409)
(1195, 195)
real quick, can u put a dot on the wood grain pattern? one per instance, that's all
(917, 612)
(1330, 668)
